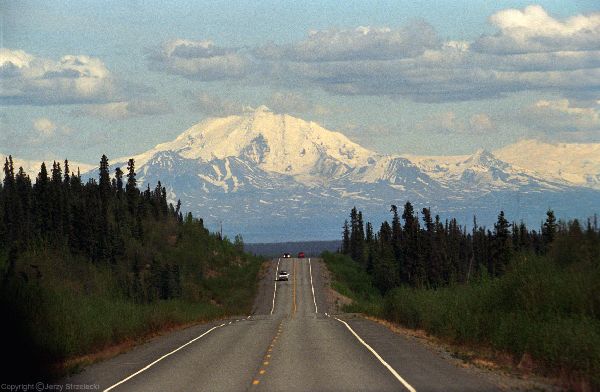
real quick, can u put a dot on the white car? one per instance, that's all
(283, 275)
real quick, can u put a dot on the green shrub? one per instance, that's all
(538, 307)
(352, 281)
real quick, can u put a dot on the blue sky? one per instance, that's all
(84, 78)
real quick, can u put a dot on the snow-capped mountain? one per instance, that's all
(482, 171)
(276, 177)
(574, 163)
(276, 143)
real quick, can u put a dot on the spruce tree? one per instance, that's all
(549, 229)
(346, 238)
(502, 244)
(131, 189)
(42, 205)
(119, 181)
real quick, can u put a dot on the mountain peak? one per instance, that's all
(249, 110)
(277, 143)
(484, 158)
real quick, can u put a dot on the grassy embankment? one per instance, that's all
(61, 307)
(547, 307)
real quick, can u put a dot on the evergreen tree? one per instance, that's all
(119, 181)
(385, 275)
(131, 189)
(371, 246)
(42, 199)
(10, 219)
(549, 229)
(410, 268)
(346, 239)
(502, 244)
(438, 254)
(104, 181)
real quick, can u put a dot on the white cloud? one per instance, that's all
(44, 126)
(560, 116)
(364, 42)
(531, 51)
(125, 109)
(534, 30)
(31, 80)
(200, 60)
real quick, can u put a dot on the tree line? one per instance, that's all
(433, 253)
(103, 220)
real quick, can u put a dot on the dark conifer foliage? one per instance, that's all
(92, 219)
(92, 252)
(435, 254)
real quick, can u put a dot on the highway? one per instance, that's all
(289, 343)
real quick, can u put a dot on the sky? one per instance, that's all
(79, 79)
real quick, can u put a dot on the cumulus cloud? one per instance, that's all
(534, 30)
(531, 51)
(560, 116)
(363, 42)
(200, 60)
(31, 80)
(125, 109)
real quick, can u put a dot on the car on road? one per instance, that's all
(287, 255)
(283, 275)
(301, 255)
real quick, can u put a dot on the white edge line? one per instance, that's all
(275, 290)
(161, 358)
(387, 365)
(312, 287)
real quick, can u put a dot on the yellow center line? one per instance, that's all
(267, 358)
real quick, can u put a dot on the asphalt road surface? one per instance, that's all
(289, 343)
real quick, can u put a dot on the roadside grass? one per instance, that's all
(541, 308)
(352, 281)
(63, 307)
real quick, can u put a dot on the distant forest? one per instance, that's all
(275, 249)
(435, 253)
(90, 218)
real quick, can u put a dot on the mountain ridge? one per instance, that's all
(277, 178)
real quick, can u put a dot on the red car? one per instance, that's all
(301, 255)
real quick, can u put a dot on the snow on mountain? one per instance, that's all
(276, 143)
(32, 167)
(574, 163)
(482, 170)
(275, 177)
